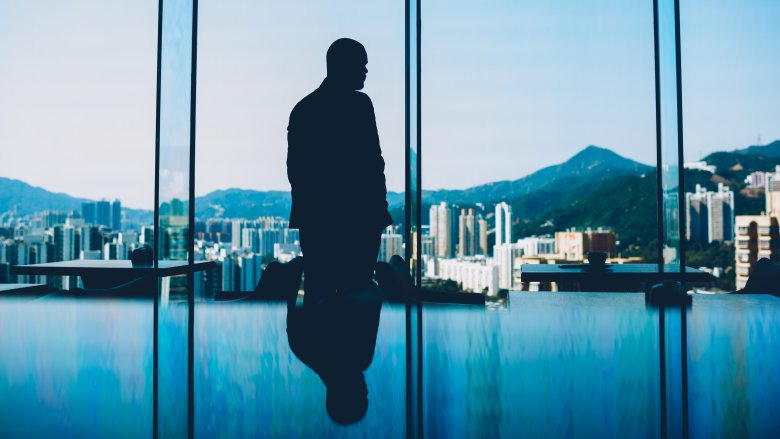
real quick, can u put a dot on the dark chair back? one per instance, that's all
(764, 279)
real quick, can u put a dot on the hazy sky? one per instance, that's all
(508, 86)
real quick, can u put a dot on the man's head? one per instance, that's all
(347, 60)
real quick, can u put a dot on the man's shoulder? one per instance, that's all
(304, 109)
(306, 103)
(318, 102)
(361, 98)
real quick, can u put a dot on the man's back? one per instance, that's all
(334, 161)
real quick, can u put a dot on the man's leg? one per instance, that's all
(356, 270)
(318, 265)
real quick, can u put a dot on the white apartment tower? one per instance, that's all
(710, 215)
(503, 223)
(772, 189)
(467, 233)
(444, 228)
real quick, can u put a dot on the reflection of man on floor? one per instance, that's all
(336, 170)
(337, 339)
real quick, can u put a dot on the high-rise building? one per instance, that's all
(503, 223)
(537, 245)
(772, 189)
(89, 212)
(66, 243)
(268, 239)
(756, 179)
(575, 245)
(250, 240)
(229, 271)
(147, 235)
(103, 213)
(756, 237)
(710, 215)
(114, 251)
(482, 247)
(251, 271)
(391, 244)
(91, 239)
(476, 276)
(504, 257)
(237, 226)
(427, 251)
(292, 236)
(467, 242)
(116, 215)
(51, 218)
(444, 229)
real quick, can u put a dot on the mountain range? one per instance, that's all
(549, 189)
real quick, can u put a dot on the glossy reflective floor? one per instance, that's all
(538, 365)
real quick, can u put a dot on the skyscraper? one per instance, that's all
(251, 270)
(444, 228)
(66, 243)
(483, 237)
(89, 212)
(237, 226)
(103, 213)
(503, 223)
(504, 257)
(250, 240)
(467, 242)
(391, 244)
(91, 239)
(772, 189)
(116, 215)
(756, 237)
(710, 215)
(229, 272)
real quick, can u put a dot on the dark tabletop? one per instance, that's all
(91, 267)
(629, 272)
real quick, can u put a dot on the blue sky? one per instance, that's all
(508, 86)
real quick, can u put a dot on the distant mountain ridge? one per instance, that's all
(548, 188)
(768, 150)
(737, 164)
(590, 165)
(25, 199)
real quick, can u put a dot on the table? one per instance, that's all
(24, 289)
(618, 277)
(107, 274)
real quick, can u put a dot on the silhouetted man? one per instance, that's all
(336, 170)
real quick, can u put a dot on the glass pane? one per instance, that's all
(174, 130)
(538, 139)
(73, 367)
(732, 340)
(731, 135)
(173, 392)
(669, 123)
(249, 80)
(246, 370)
(536, 368)
(256, 62)
(76, 132)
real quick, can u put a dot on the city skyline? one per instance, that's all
(100, 103)
(455, 245)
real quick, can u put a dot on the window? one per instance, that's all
(249, 79)
(538, 138)
(77, 128)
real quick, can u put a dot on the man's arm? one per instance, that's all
(376, 164)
